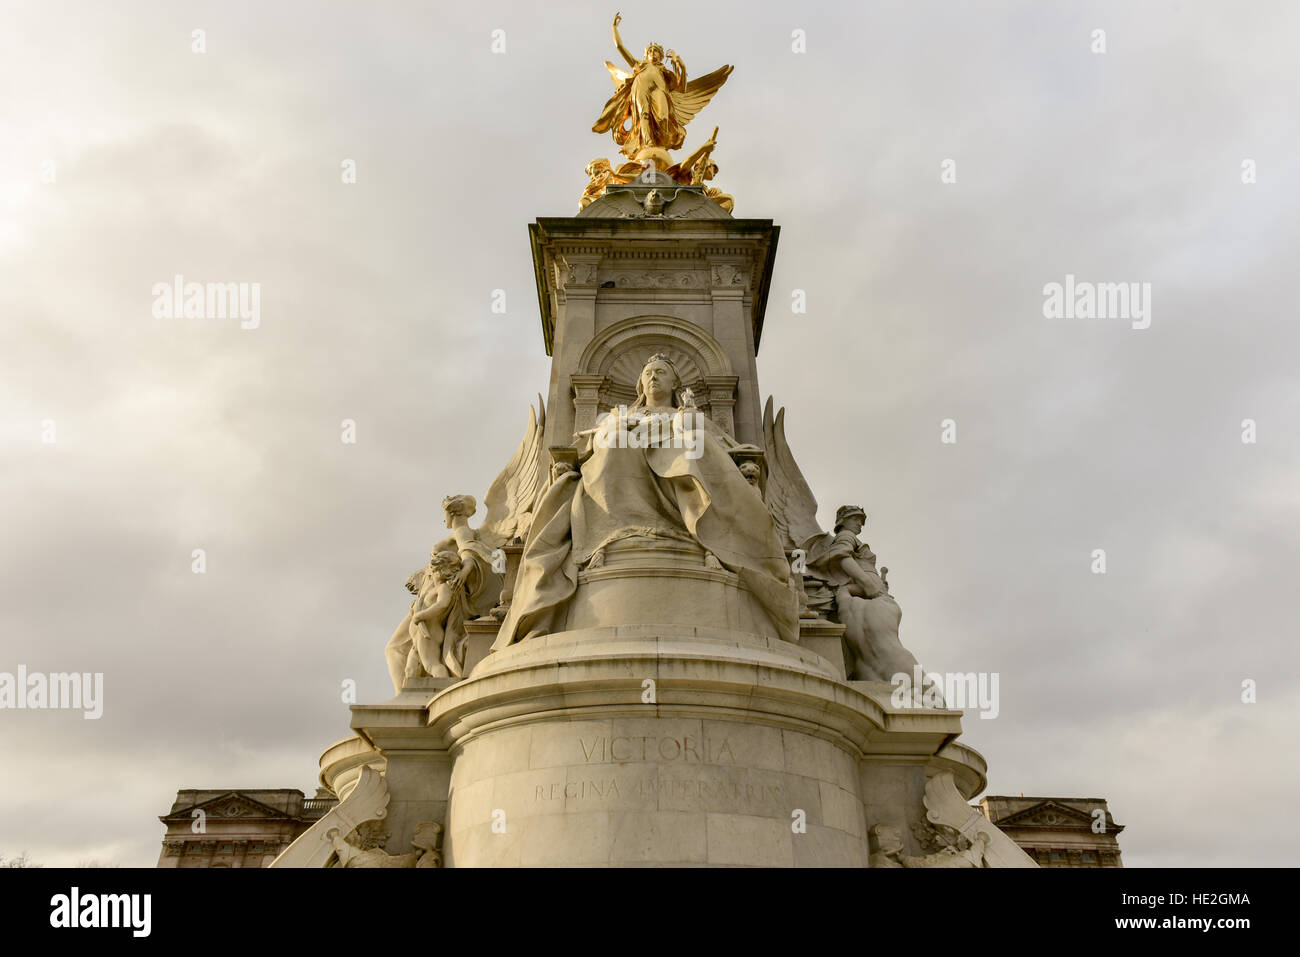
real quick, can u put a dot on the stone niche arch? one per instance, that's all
(609, 367)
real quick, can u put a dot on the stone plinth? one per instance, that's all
(825, 638)
(652, 745)
(657, 581)
(655, 745)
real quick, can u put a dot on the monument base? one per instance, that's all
(649, 745)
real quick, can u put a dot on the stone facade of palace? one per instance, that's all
(236, 827)
(249, 828)
(1058, 832)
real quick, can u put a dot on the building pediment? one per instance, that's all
(230, 805)
(1047, 814)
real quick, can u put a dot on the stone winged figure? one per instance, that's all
(424, 850)
(887, 842)
(464, 577)
(841, 578)
(652, 105)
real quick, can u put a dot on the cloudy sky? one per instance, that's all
(925, 302)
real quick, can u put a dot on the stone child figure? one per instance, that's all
(443, 604)
(431, 609)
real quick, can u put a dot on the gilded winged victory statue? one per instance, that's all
(651, 106)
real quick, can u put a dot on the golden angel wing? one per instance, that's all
(618, 76)
(788, 497)
(515, 492)
(611, 117)
(697, 94)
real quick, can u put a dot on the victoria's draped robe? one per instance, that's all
(694, 489)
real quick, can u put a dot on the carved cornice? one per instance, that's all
(694, 246)
(677, 253)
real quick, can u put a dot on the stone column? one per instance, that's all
(731, 327)
(575, 326)
(586, 399)
(722, 401)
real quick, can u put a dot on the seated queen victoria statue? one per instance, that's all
(657, 477)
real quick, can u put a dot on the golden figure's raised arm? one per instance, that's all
(618, 43)
(679, 69)
(703, 152)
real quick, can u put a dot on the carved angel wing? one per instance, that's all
(697, 94)
(514, 494)
(789, 499)
(618, 76)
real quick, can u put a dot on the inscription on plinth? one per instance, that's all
(622, 749)
(647, 790)
(720, 793)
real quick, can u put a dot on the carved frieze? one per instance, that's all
(663, 279)
(728, 275)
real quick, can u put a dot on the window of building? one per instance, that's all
(1088, 858)
(1056, 856)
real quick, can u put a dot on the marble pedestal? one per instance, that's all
(644, 745)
